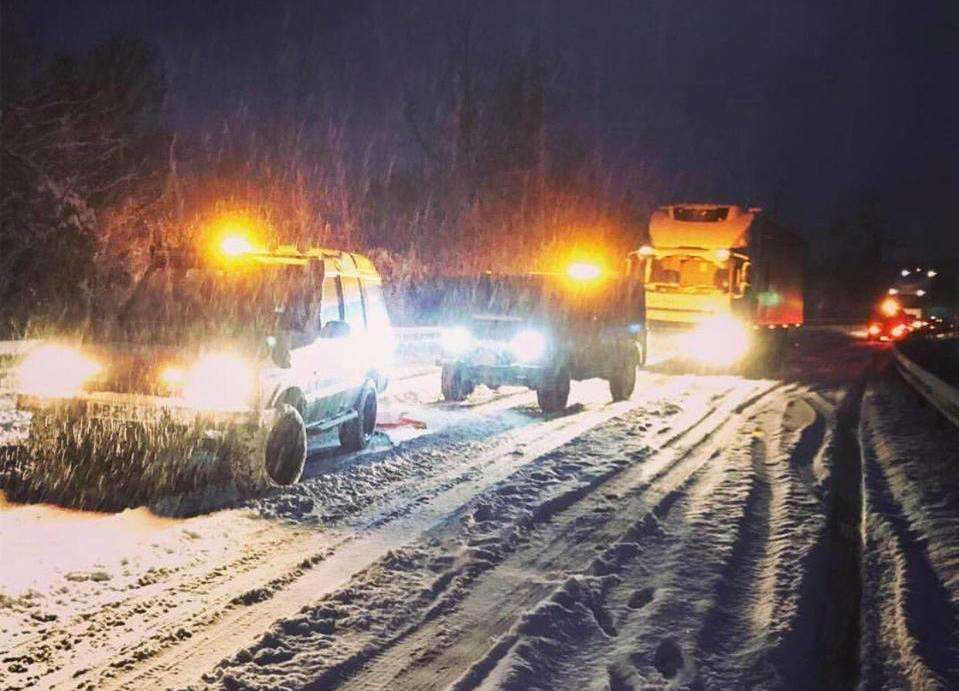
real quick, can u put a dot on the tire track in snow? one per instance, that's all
(578, 653)
(497, 525)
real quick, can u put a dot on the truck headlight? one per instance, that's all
(528, 345)
(456, 341)
(719, 341)
(55, 371)
(219, 381)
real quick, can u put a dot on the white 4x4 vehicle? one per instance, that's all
(208, 367)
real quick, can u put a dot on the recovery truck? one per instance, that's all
(728, 277)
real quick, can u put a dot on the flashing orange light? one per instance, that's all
(236, 246)
(583, 271)
(889, 307)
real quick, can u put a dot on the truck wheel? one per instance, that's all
(453, 385)
(553, 393)
(356, 434)
(285, 453)
(622, 381)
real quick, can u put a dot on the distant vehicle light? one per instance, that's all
(236, 246)
(583, 271)
(456, 341)
(904, 272)
(932, 273)
(899, 330)
(720, 341)
(920, 292)
(55, 371)
(874, 329)
(528, 345)
(894, 291)
(889, 307)
(647, 251)
(723, 255)
(220, 381)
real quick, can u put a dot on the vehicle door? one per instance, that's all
(379, 332)
(332, 353)
(300, 328)
(356, 357)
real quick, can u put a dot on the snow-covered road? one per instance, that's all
(710, 532)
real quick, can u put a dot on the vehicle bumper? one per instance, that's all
(123, 423)
(500, 375)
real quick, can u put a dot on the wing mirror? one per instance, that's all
(335, 329)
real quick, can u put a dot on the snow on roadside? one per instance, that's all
(911, 533)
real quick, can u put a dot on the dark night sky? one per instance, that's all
(804, 106)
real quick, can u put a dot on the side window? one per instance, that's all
(352, 303)
(376, 315)
(330, 305)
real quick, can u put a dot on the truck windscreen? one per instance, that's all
(690, 273)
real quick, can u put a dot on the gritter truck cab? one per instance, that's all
(727, 276)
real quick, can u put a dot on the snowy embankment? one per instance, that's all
(911, 532)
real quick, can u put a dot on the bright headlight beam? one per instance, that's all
(219, 381)
(528, 345)
(721, 341)
(457, 340)
(55, 371)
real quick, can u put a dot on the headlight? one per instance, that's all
(456, 341)
(55, 371)
(528, 345)
(719, 341)
(219, 381)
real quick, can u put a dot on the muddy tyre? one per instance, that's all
(285, 453)
(553, 393)
(356, 434)
(622, 380)
(453, 385)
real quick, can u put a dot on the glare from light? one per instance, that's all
(889, 307)
(457, 340)
(904, 272)
(55, 371)
(236, 246)
(219, 382)
(874, 329)
(646, 251)
(899, 330)
(583, 271)
(528, 345)
(722, 255)
(932, 273)
(720, 341)
(920, 292)
(894, 291)
(173, 377)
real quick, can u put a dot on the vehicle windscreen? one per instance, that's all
(547, 298)
(689, 274)
(186, 307)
